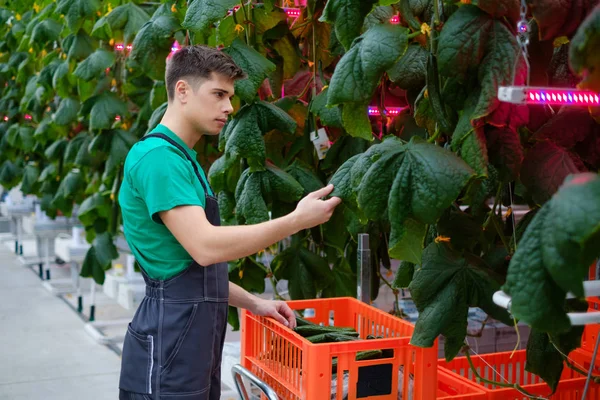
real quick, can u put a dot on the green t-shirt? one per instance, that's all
(158, 177)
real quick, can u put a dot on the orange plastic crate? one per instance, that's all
(497, 366)
(299, 370)
(591, 332)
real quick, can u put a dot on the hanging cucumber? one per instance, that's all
(435, 96)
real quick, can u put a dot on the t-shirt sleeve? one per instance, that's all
(165, 180)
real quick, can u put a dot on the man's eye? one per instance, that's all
(220, 95)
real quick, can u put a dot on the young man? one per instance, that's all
(172, 349)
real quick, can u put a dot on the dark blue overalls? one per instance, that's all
(173, 346)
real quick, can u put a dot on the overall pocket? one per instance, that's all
(188, 350)
(137, 362)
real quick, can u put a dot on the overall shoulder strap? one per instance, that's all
(184, 151)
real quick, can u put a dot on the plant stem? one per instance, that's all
(436, 10)
(500, 233)
(245, 23)
(515, 386)
(435, 135)
(414, 34)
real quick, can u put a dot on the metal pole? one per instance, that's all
(364, 268)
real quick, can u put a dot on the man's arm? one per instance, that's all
(209, 244)
(278, 310)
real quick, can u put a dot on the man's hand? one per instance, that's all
(276, 309)
(312, 210)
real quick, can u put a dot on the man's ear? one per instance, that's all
(182, 90)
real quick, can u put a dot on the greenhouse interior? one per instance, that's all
(299, 199)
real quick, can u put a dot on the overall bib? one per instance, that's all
(173, 345)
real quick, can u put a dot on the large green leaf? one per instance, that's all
(242, 137)
(306, 272)
(545, 168)
(329, 116)
(93, 207)
(358, 73)
(418, 180)
(583, 57)
(122, 23)
(282, 185)
(94, 65)
(20, 137)
(409, 71)
(559, 18)
(106, 251)
(254, 64)
(474, 151)
(443, 289)
(202, 14)
(356, 121)
(158, 95)
(304, 176)
(10, 173)
(46, 31)
(120, 144)
(91, 268)
(31, 173)
(505, 152)
(251, 207)
(472, 41)
(404, 275)
(249, 274)
(348, 17)
(344, 281)
(554, 254)
(77, 11)
(500, 8)
(78, 46)
(67, 111)
(104, 109)
(157, 116)
(153, 43)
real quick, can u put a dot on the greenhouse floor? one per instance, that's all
(45, 350)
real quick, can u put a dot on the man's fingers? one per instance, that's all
(287, 312)
(275, 314)
(322, 192)
(334, 201)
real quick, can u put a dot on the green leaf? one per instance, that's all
(243, 136)
(356, 121)
(583, 58)
(251, 207)
(54, 151)
(10, 174)
(233, 318)
(106, 251)
(545, 168)
(46, 31)
(329, 116)
(31, 173)
(158, 95)
(348, 17)
(217, 174)
(342, 181)
(554, 254)
(306, 272)
(91, 268)
(77, 11)
(472, 41)
(254, 64)
(120, 144)
(474, 151)
(78, 46)
(409, 71)
(157, 116)
(404, 275)
(358, 72)
(67, 111)
(94, 65)
(226, 207)
(343, 149)
(122, 23)
(443, 289)
(202, 14)
(93, 207)
(304, 176)
(543, 360)
(60, 79)
(248, 274)
(153, 42)
(104, 110)
(344, 281)
(20, 137)
(287, 50)
(283, 185)
(406, 243)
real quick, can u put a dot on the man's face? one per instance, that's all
(209, 105)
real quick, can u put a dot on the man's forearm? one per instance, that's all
(240, 298)
(225, 243)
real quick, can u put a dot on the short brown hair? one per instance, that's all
(198, 62)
